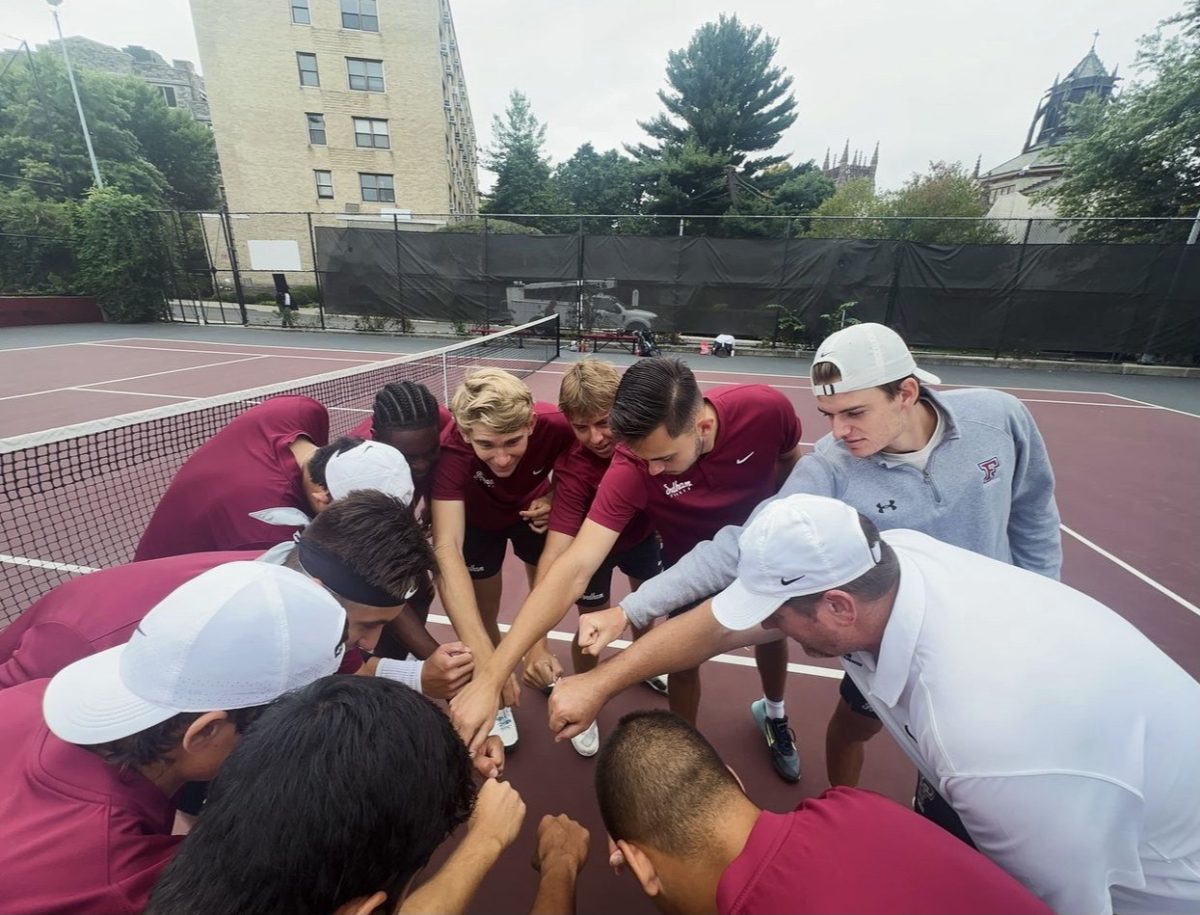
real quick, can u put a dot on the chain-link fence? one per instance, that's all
(1103, 288)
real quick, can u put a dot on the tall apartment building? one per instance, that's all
(349, 107)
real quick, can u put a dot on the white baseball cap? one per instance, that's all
(796, 546)
(371, 465)
(867, 355)
(236, 636)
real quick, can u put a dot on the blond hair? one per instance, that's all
(588, 390)
(493, 398)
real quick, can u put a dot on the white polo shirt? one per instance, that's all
(1067, 742)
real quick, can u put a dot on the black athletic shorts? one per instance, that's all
(642, 561)
(484, 551)
(854, 698)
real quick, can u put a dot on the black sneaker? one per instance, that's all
(781, 741)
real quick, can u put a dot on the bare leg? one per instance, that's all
(772, 660)
(684, 694)
(845, 744)
(487, 598)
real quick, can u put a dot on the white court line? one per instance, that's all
(311, 349)
(134, 393)
(191, 368)
(1167, 592)
(737, 660)
(1147, 403)
(1090, 403)
(215, 352)
(44, 564)
(21, 349)
(808, 669)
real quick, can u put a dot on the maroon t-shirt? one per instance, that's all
(76, 834)
(93, 612)
(577, 475)
(853, 851)
(366, 430)
(492, 503)
(756, 425)
(246, 467)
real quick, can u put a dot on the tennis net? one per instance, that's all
(78, 498)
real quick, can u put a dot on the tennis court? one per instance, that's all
(1124, 452)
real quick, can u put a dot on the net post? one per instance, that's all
(445, 381)
(557, 336)
(312, 243)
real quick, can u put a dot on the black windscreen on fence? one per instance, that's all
(1084, 298)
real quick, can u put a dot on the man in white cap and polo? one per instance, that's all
(966, 466)
(1088, 794)
(93, 757)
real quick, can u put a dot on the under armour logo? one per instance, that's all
(889, 505)
(989, 468)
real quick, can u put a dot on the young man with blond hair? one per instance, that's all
(492, 487)
(586, 397)
(693, 463)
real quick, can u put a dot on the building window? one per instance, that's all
(300, 14)
(308, 69)
(371, 133)
(324, 185)
(366, 75)
(377, 188)
(360, 14)
(316, 129)
(168, 94)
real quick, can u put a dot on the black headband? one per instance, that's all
(339, 578)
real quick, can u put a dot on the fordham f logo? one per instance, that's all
(989, 468)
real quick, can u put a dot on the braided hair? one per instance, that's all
(404, 405)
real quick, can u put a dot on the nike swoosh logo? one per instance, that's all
(746, 458)
(787, 581)
(536, 472)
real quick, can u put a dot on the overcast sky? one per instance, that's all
(928, 79)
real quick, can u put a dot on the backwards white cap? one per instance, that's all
(236, 636)
(796, 546)
(867, 355)
(371, 465)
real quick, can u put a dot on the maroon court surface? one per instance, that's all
(1128, 492)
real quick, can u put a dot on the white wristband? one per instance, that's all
(406, 672)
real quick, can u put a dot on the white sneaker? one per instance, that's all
(506, 727)
(587, 743)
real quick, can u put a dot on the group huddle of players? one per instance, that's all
(278, 560)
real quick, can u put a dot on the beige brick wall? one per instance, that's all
(248, 52)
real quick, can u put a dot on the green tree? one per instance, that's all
(847, 213)
(521, 167)
(592, 182)
(142, 146)
(947, 190)
(123, 255)
(1139, 154)
(35, 243)
(727, 105)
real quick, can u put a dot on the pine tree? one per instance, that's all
(521, 167)
(726, 102)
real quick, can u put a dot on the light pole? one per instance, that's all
(87, 137)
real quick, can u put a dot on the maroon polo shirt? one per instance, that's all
(851, 851)
(94, 612)
(756, 425)
(577, 475)
(76, 835)
(492, 503)
(366, 430)
(246, 467)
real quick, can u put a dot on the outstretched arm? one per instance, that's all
(474, 709)
(678, 644)
(454, 581)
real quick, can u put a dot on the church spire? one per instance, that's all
(875, 156)
(825, 167)
(846, 153)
